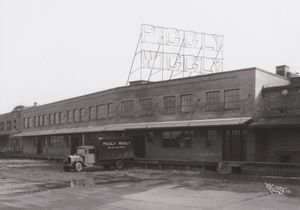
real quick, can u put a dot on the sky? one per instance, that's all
(52, 50)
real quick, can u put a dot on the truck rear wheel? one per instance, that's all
(78, 166)
(119, 164)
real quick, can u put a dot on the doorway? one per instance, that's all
(139, 146)
(75, 142)
(233, 145)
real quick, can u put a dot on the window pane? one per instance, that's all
(35, 121)
(70, 116)
(169, 104)
(101, 111)
(232, 99)
(75, 115)
(127, 108)
(111, 110)
(51, 119)
(56, 118)
(211, 138)
(61, 118)
(92, 113)
(30, 122)
(177, 138)
(213, 101)
(82, 114)
(146, 107)
(1, 126)
(186, 103)
(45, 119)
(8, 125)
(56, 141)
(41, 120)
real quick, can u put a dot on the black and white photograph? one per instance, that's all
(149, 105)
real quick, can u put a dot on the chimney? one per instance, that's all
(35, 103)
(283, 70)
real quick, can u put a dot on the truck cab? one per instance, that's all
(84, 157)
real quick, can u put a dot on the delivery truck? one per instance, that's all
(107, 152)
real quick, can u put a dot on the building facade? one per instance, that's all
(201, 118)
(278, 130)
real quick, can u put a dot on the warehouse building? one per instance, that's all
(10, 124)
(200, 118)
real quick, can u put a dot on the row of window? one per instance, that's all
(7, 126)
(53, 141)
(185, 138)
(146, 108)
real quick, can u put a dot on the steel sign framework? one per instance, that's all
(168, 53)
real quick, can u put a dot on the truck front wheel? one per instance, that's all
(119, 164)
(78, 166)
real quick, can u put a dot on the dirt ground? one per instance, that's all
(32, 184)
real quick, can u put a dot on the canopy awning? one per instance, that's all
(277, 122)
(147, 125)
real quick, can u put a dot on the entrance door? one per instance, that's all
(233, 145)
(139, 146)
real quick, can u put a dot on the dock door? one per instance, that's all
(139, 146)
(233, 145)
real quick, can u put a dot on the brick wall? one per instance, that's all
(198, 86)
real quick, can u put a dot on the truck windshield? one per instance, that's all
(80, 151)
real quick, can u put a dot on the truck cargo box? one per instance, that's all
(113, 148)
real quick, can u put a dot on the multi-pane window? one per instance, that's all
(81, 114)
(41, 120)
(146, 107)
(101, 111)
(111, 110)
(57, 141)
(69, 116)
(45, 119)
(211, 138)
(1, 126)
(76, 115)
(169, 104)
(30, 119)
(177, 138)
(35, 121)
(232, 99)
(25, 123)
(56, 118)
(15, 124)
(8, 125)
(186, 103)
(61, 118)
(127, 108)
(51, 119)
(92, 113)
(213, 101)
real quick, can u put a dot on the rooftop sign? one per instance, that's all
(167, 53)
